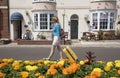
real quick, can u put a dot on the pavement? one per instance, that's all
(101, 43)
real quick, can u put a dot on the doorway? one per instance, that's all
(74, 26)
(17, 30)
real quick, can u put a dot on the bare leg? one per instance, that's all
(60, 51)
(51, 52)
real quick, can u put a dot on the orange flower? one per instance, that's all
(1, 74)
(52, 71)
(3, 65)
(66, 71)
(119, 72)
(41, 77)
(90, 77)
(54, 66)
(96, 73)
(24, 74)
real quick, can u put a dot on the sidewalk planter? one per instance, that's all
(11, 68)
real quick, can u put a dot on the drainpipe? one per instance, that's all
(8, 18)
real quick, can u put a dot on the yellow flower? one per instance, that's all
(16, 65)
(46, 62)
(97, 69)
(37, 74)
(31, 68)
(102, 62)
(61, 62)
(113, 77)
(26, 62)
(82, 63)
(8, 60)
(107, 68)
(40, 61)
(32, 63)
(117, 64)
(110, 64)
(1, 75)
(97, 74)
(117, 61)
(24, 74)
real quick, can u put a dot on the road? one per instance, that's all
(35, 53)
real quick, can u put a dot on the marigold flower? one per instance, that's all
(41, 77)
(8, 60)
(96, 73)
(110, 64)
(32, 63)
(107, 68)
(86, 61)
(31, 68)
(117, 64)
(97, 69)
(54, 66)
(66, 71)
(16, 65)
(46, 62)
(90, 77)
(82, 63)
(118, 71)
(1, 74)
(117, 61)
(113, 77)
(61, 62)
(52, 71)
(37, 74)
(26, 62)
(3, 65)
(40, 61)
(24, 74)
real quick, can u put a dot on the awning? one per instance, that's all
(16, 16)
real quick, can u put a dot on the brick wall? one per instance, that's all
(4, 32)
(3, 2)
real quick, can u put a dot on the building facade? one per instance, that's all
(4, 17)
(75, 17)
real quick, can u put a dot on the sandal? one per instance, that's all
(46, 58)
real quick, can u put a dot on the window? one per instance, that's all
(95, 20)
(43, 21)
(103, 20)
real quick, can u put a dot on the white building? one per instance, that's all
(75, 16)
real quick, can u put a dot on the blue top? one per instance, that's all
(56, 30)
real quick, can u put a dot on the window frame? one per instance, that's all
(48, 20)
(108, 20)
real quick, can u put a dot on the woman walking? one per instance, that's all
(56, 39)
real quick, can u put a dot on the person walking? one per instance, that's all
(56, 39)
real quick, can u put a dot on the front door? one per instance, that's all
(17, 30)
(74, 29)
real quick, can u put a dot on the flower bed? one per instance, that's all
(11, 68)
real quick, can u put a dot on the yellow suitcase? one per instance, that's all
(70, 53)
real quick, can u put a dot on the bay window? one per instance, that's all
(103, 20)
(43, 21)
